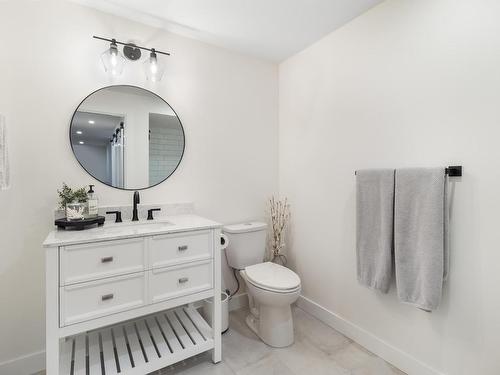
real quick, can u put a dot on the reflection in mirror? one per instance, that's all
(127, 137)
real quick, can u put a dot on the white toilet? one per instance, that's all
(271, 288)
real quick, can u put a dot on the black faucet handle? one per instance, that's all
(118, 217)
(150, 212)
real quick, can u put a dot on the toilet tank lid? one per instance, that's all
(250, 226)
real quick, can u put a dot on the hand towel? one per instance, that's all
(374, 227)
(4, 157)
(420, 236)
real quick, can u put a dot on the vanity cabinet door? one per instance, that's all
(80, 263)
(168, 283)
(85, 301)
(171, 249)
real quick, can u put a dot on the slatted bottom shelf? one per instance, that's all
(137, 347)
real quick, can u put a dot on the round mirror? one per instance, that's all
(127, 137)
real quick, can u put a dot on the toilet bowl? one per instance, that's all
(271, 288)
(271, 291)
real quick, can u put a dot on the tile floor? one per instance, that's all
(318, 350)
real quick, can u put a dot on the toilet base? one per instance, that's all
(274, 326)
(270, 315)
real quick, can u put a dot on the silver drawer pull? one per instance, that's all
(106, 259)
(107, 297)
(183, 280)
(183, 248)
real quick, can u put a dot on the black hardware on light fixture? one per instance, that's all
(130, 44)
(131, 52)
(113, 62)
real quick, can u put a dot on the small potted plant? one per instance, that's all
(73, 202)
(279, 215)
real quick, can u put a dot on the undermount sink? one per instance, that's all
(137, 227)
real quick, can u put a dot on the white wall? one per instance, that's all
(410, 83)
(226, 102)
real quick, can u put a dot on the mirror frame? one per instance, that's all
(135, 87)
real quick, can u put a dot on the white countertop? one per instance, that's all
(142, 228)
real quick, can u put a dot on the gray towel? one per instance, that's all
(374, 227)
(420, 236)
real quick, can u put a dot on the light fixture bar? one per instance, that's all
(127, 44)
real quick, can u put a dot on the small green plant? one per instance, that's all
(68, 195)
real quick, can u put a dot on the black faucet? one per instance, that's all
(118, 218)
(137, 200)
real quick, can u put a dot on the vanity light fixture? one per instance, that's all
(114, 61)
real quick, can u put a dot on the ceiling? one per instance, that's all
(269, 29)
(98, 133)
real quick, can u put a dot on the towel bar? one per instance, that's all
(451, 171)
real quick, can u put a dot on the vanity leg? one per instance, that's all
(216, 313)
(51, 312)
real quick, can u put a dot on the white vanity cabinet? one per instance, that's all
(123, 302)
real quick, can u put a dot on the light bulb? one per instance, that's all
(113, 60)
(154, 66)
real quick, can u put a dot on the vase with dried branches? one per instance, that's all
(279, 215)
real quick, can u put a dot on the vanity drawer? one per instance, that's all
(168, 250)
(94, 261)
(85, 301)
(168, 283)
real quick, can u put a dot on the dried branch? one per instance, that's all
(279, 212)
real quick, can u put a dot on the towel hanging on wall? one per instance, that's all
(4, 156)
(374, 227)
(420, 235)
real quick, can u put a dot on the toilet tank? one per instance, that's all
(247, 244)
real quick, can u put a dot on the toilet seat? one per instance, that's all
(273, 277)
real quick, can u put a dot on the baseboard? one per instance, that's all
(238, 301)
(24, 365)
(391, 354)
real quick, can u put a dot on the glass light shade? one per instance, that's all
(154, 68)
(113, 62)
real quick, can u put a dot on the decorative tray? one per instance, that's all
(79, 224)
